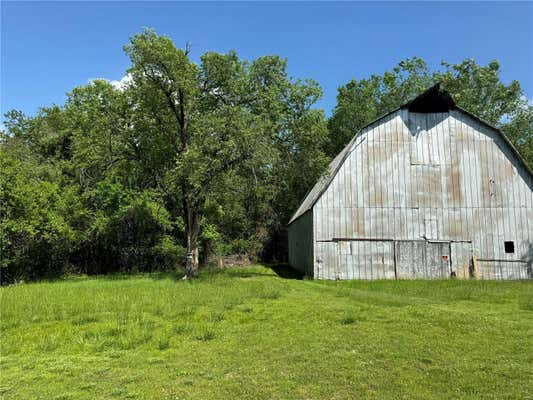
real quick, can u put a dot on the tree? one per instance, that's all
(210, 120)
(215, 154)
(519, 130)
(36, 215)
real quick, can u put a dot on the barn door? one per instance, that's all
(438, 260)
(364, 259)
(410, 259)
(343, 269)
(326, 260)
(419, 259)
(461, 253)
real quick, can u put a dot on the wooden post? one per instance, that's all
(475, 274)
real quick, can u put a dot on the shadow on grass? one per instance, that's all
(173, 275)
(156, 275)
(285, 271)
(232, 271)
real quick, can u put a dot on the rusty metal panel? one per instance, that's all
(502, 269)
(489, 270)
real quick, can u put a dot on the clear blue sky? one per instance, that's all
(49, 48)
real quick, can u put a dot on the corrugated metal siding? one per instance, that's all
(441, 176)
(301, 244)
(319, 187)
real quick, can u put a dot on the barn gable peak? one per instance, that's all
(433, 100)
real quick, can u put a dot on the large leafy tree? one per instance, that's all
(194, 123)
(219, 142)
(214, 155)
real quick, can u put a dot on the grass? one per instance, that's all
(249, 334)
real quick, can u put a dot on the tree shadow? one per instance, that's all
(174, 275)
(285, 271)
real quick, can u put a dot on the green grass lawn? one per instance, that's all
(249, 334)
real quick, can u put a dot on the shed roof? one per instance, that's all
(435, 99)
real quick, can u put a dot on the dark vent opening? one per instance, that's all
(509, 247)
(433, 100)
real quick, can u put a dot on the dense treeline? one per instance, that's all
(181, 161)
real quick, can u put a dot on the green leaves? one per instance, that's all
(35, 225)
(479, 89)
(216, 154)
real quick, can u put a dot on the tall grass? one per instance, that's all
(246, 333)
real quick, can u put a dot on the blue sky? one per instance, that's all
(49, 48)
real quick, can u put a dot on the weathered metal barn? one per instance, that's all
(426, 191)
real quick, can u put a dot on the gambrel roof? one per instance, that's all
(433, 100)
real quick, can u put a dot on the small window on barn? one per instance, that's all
(509, 247)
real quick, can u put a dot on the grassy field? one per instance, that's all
(250, 334)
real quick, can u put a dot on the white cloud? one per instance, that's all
(117, 84)
(123, 83)
(527, 100)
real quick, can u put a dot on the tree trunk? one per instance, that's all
(193, 231)
(191, 267)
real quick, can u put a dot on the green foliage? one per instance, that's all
(127, 231)
(36, 217)
(183, 156)
(519, 130)
(246, 333)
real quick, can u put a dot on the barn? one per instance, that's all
(427, 191)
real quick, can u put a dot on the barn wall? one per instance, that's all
(301, 244)
(441, 176)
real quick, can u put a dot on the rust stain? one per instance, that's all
(429, 186)
(457, 193)
(382, 151)
(459, 133)
(504, 170)
(485, 179)
(359, 219)
(463, 270)
(454, 226)
(378, 195)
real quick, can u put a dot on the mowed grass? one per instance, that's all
(249, 334)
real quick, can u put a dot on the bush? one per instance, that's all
(35, 226)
